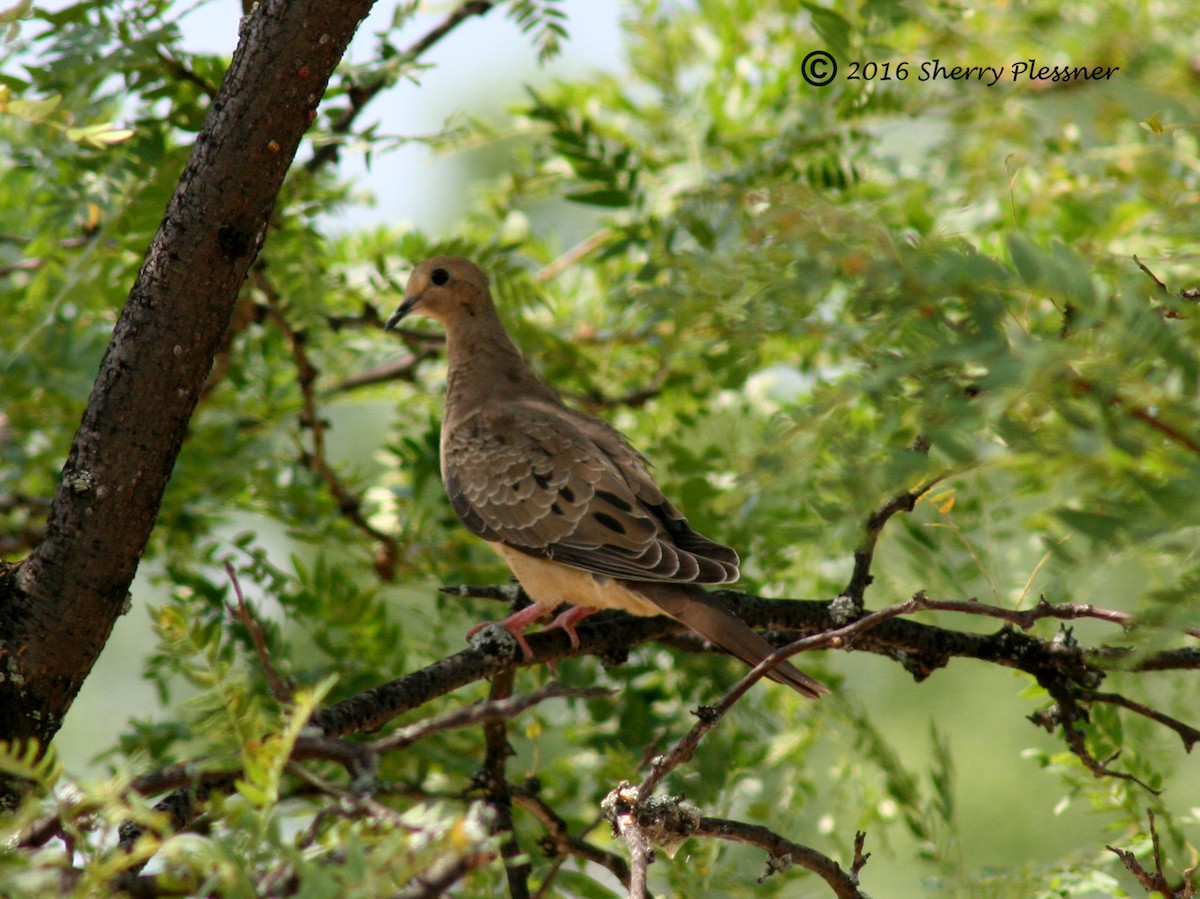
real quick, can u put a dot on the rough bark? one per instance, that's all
(59, 605)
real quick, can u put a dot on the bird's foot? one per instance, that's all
(567, 620)
(516, 624)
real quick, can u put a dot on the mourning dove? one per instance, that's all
(560, 495)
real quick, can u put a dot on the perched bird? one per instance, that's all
(560, 495)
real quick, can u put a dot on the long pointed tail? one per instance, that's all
(708, 617)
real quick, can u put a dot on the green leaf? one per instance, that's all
(609, 198)
(1025, 257)
(832, 28)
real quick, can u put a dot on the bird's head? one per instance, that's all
(444, 288)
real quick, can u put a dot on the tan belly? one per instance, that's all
(551, 584)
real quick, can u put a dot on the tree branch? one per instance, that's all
(710, 716)
(1139, 413)
(280, 690)
(861, 578)
(494, 780)
(57, 610)
(1156, 881)
(192, 786)
(387, 554)
(444, 875)
(495, 709)
(920, 648)
(1187, 733)
(669, 821)
(560, 842)
(361, 95)
(622, 809)
(783, 853)
(1070, 671)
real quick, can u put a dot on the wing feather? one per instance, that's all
(560, 485)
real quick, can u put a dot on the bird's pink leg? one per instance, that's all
(516, 623)
(567, 620)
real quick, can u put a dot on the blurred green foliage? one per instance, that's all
(797, 283)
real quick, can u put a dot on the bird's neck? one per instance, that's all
(485, 363)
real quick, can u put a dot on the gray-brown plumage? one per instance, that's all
(565, 500)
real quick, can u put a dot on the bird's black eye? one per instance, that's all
(439, 276)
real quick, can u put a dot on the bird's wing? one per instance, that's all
(529, 476)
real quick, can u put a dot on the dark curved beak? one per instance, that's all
(405, 308)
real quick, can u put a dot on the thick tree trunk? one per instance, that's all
(58, 607)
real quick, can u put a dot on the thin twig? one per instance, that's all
(387, 555)
(709, 717)
(358, 760)
(572, 256)
(1162, 288)
(279, 688)
(494, 780)
(1025, 619)
(180, 72)
(1187, 733)
(623, 810)
(783, 853)
(1068, 715)
(361, 95)
(1156, 881)
(861, 577)
(594, 400)
(444, 874)
(402, 369)
(191, 785)
(25, 265)
(480, 712)
(1138, 413)
(29, 265)
(563, 842)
